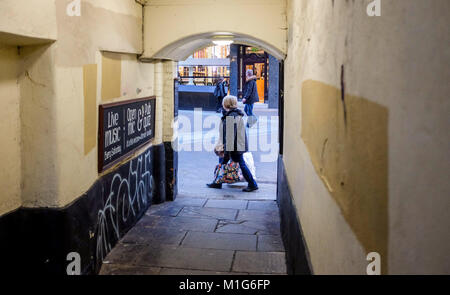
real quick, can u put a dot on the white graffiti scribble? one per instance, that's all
(126, 198)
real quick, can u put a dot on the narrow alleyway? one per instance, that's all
(207, 231)
(198, 236)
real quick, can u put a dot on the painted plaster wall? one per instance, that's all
(391, 132)
(38, 126)
(61, 85)
(22, 22)
(10, 174)
(109, 35)
(25, 22)
(70, 66)
(168, 21)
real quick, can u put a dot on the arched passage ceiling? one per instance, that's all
(170, 31)
(181, 49)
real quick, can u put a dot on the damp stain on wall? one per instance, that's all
(347, 139)
(111, 75)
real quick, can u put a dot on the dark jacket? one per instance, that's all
(251, 91)
(219, 91)
(234, 134)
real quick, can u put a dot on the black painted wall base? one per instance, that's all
(297, 259)
(159, 162)
(37, 240)
(171, 171)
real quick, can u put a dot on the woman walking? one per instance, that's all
(234, 139)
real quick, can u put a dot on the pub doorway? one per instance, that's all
(257, 60)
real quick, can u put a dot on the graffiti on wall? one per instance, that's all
(128, 195)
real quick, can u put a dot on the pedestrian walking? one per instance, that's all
(250, 96)
(220, 93)
(234, 140)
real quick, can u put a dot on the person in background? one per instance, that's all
(234, 140)
(250, 96)
(220, 93)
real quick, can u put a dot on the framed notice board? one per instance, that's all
(123, 128)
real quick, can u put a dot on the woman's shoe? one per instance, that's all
(250, 189)
(214, 185)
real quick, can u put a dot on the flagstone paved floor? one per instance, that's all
(196, 236)
(208, 231)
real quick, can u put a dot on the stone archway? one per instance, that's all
(180, 49)
(174, 29)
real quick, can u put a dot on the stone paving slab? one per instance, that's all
(230, 204)
(260, 262)
(165, 209)
(192, 272)
(263, 205)
(268, 227)
(258, 215)
(226, 226)
(124, 253)
(180, 223)
(222, 241)
(202, 212)
(186, 258)
(120, 269)
(158, 235)
(186, 238)
(270, 243)
(193, 202)
(267, 191)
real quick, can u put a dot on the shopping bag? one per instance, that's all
(227, 173)
(231, 172)
(248, 158)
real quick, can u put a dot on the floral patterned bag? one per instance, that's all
(228, 173)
